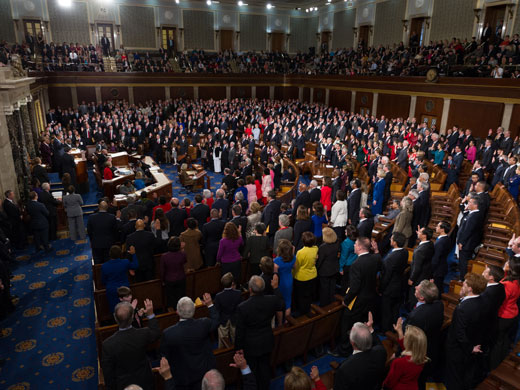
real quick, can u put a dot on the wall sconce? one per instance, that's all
(405, 24)
(427, 21)
(354, 30)
(477, 12)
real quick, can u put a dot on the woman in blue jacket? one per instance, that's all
(378, 193)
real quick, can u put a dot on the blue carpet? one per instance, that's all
(49, 341)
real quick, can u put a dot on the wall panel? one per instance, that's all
(477, 116)
(340, 99)
(181, 92)
(452, 19)
(306, 94)
(87, 94)
(241, 92)
(303, 34)
(388, 28)
(363, 100)
(393, 106)
(318, 95)
(198, 30)
(217, 93)
(252, 32)
(114, 93)
(142, 94)
(6, 22)
(515, 121)
(60, 96)
(137, 26)
(343, 36)
(69, 24)
(262, 92)
(429, 106)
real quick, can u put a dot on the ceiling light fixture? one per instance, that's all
(208, 2)
(269, 6)
(65, 3)
(177, 1)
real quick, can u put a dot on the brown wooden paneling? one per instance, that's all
(241, 92)
(114, 93)
(217, 93)
(290, 93)
(429, 106)
(393, 106)
(60, 96)
(262, 92)
(278, 93)
(515, 121)
(477, 116)
(181, 92)
(87, 94)
(143, 94)
(363, 99)
(318, 95)
(306, 94)
(340, 99)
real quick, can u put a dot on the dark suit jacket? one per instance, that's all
(124, 361)
(68, 166)
(470, 231)
(402, 158)
(222, 204)
(315, 195)
(423, 208)
(363, 280)
(327, 263)
(422, 263)
(362, 371)
(12, 211)
(49, 202)
(442, 249)
(493, 297)
(303, 198)
(429, 317)
(466, 328)
(270, 216)
(188, 348)
(102, 228)
(354, 203)
(39, 214)
(365, 228)
(40, 173)
(176, 216)
(143, 241)
(253, 330)
(201, 213)
(226, 303)
(394, 264)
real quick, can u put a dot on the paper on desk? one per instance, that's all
(57, 195)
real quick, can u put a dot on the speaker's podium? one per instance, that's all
(201, 180)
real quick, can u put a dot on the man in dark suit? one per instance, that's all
(229, 180)
(39, 222)
(271, 213)
(483, 197)
(221, 204)
(465, 335)
(442, 249)
(143, 241)
(314, 192)
(402, 157)
(200, 211)
(469, 235)
(40, 172)
(303, 198)
(424, 203)
(176, 217)
(487, 155)
(510, 170)
(428, 315)
(68, 165)
(16, 232)
(103, 230)
(493, 297)
(254, 334)
(354, 202)
(366, 223)
(421, 267)
(239, 220)
(361, 296)
(226, 303)
(124, 360)
(365, 368)
(50, 203)
(389, 177)
(187, 345)
(211, 235)
(105, 44)
(391, 283)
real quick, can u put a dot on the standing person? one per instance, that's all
(172, 265)
(305, 275)
(72, 203)
(284, 264)
(254, 217)
(228, 254)
(339, 215)
(227, 302)
(51, 204)
(102, 228)
(303, 224)
(327, 266)
(143, 241)
(326, 194)
(16, 232)
(421, 267)
(211, 235)
(192, 238)
(354, 202)
(319, 220)
(257, 246)
(285, 231)
(254, 334)
(403, 221)
(114, 273)
(217, 156)
(469, 235)
(187, 344)
(405, 370)
(465, 336)
(442, 249)
(347, 255)
(378, 193)
(271, 213)
(124, 360)
(39, 223)
(267, 183)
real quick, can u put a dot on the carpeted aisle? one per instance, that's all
(49, 341)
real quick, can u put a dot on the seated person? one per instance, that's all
(392, 214)
(186, 179)
(127, 188)
(139, 182)
(288, 174)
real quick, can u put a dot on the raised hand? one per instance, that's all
(148, 307)
(239, 360)
(131, 250)
(164, 369)
(206, 298)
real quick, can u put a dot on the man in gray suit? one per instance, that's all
(72, 203)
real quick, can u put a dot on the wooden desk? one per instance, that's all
(198, 178)
(119, 159)
(109, 186)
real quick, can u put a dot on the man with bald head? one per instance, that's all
(144, 242)
(176, 216)
(103, 230)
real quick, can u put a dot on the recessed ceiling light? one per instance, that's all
(269, 6)
(208, 2)
(65, 3)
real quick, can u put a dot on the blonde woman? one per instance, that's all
(403, 221)
(405, 370)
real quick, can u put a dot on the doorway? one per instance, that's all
(168, 39)
(429, 120)
(364, 34)
(417, 32)
(108, 31)
(325, 37)
(277, 42)
(495, 17)
(226, 39)
(364, 111)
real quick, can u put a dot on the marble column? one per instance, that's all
(27, 131)
(19, 150)
(34, 127)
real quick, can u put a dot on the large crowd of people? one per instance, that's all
(298, 253)
(456, 57)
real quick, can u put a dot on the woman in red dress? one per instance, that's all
(107, 172)
(405, 370)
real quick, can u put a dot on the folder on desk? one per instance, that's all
(351, 304)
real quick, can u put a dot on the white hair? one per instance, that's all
(185, 308)
(207, 193)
